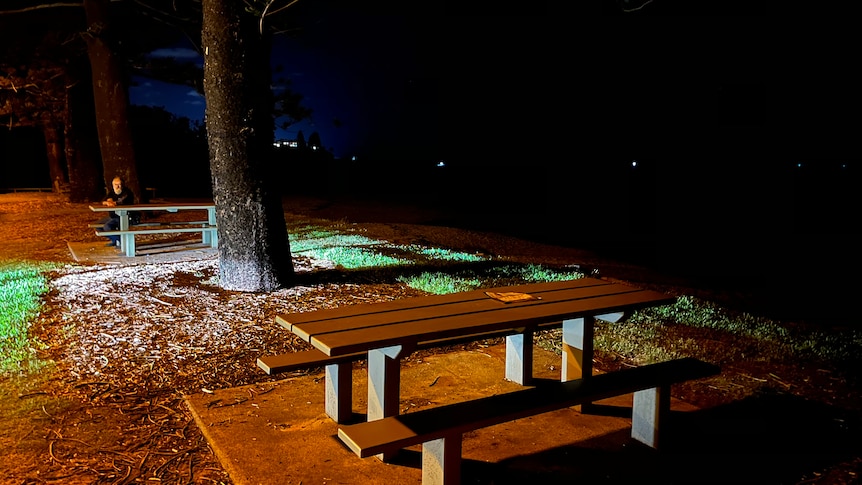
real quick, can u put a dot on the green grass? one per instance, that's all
(22, 285)
(438, 283)
(353, 251)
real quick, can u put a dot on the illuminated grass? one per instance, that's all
(353, 257)
(658, 334)
(21, 287)
(443, 254)
(352, 251)
(441, 283)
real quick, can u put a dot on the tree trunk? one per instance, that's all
(82, 150)
(111, 99)
(254, 252)
(54, 149)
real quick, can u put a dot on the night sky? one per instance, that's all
(495, 86)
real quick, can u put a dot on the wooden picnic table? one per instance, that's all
(127, 232)
(390, 330)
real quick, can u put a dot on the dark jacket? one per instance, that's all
(125, 197)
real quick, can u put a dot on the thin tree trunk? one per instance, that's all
(54, 149)
(254, 252)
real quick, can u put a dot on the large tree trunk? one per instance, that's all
(254, 252)
(111, 99)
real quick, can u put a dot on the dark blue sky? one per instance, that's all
(407, 86)
(493, 87)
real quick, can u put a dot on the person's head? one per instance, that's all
(117, 184)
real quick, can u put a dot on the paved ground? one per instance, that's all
(277, 433)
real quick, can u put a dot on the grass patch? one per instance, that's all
(353, 251)
(440, 283)
(22, 285)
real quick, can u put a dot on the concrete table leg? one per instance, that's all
(519, 358)
(441, 461)
(339, 391)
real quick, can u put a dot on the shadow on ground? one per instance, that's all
(764, 439)
(279, 434)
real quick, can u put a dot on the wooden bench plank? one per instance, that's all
(96, 225)
(338, 378)
(442, 427)
(169, 230)
(302, 360)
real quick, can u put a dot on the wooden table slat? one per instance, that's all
(415, 332)
(439, 304)
(288, 320)
(156, 207)
(425, 312)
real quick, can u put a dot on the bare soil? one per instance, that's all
(118, 346)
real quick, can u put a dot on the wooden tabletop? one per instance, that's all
(417, 321)
(166, 206)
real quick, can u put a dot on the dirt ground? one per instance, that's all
(120, 346)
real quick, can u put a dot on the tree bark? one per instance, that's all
(254, 251)
(111, 100)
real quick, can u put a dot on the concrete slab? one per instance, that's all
(278, 433)
(148, 252)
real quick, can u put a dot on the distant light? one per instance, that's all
(799, 165)
(634, 163)
(441, 163)
(353, 158)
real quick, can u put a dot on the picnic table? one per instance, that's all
(383, 333)
(387, 331)
(128, 231)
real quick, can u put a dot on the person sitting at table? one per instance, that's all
(121, 195)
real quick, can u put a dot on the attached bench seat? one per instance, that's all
(302, 360)
(337, 380)
(209, 234)
(439, 429)
(96, 225)
(161, 230)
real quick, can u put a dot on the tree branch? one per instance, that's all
(40, 7)
(267, 12)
